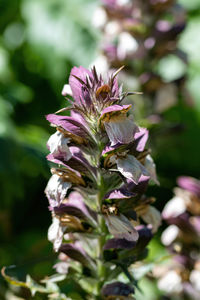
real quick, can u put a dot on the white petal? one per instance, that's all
(55, 233)
(171, 283)
(66, 90)
(131, 168)
(120, 129)
(169, 235)
(175, 207)
(153, 217)
(56, 190)
(57, 144)
(120, 227)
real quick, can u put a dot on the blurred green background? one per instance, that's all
(40, 41)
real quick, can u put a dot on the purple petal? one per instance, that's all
(163, 25)
(117, 289)
(115, 89)
(139, 188)
(145, 235)
(79, 162)
(110, 51)
(75, 197)
(108, 148)
(51, 158)
(69, 124)
(113, 109)
(121, 193)
(78, 117)
(109, 2)
(69, 174)
(141, 138)
(190, 184)
(58, 161)
(70, 209)
(76, 253)
(119, 244)
(75, 84)
(75, 206)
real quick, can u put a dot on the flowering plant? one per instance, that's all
(96, 192)
(143, 35)
(181, 275)
(101, 170)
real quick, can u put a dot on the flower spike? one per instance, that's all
(96, 192)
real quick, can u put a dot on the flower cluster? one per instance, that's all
(181, 276)
(140, 34)
(96, 193)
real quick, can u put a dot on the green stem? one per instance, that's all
(101, 238)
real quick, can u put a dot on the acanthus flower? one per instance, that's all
(181, 237)
(101, 172)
